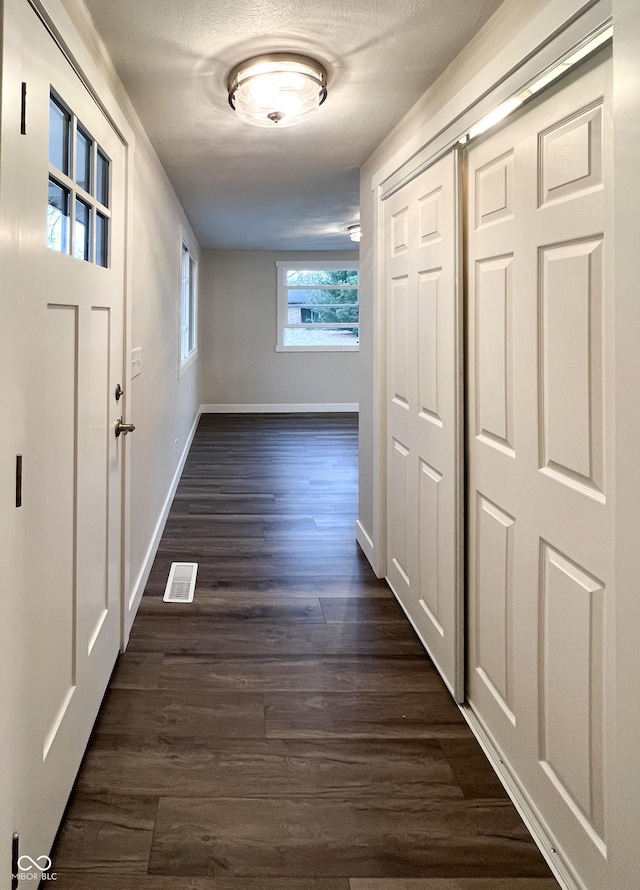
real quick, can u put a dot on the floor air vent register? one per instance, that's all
(181, 584)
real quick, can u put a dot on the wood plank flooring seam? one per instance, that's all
(289, 727)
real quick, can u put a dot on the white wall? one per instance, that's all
(162, 406)
(239, 364)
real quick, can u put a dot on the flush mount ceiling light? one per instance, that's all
(277, 89)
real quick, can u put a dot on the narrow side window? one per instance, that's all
(188, 308)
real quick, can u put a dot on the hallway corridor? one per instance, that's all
(286, 730)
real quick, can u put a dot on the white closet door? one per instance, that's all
(540, 452)
(423, 441)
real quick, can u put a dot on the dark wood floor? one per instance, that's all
(286, 731)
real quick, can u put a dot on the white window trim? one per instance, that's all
(186, 243)
(282, 314)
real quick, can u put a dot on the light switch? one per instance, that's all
(136, 361)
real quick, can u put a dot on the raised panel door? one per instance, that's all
(540, 451)
(423, 436)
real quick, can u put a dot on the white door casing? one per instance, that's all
(72, 502)
(423, 429)
(11, 440)
(540, 456)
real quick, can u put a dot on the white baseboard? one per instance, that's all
(145, 571)
(283, 408)
(367, 546)
(549, 848)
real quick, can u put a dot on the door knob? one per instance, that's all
(123, 428)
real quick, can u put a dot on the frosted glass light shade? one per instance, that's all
(279, 89)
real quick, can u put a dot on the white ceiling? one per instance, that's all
(292, 189)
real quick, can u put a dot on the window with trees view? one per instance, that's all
(318, 306)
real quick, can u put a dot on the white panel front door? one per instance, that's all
(423, 440)
(540, 452)
(73, 303)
